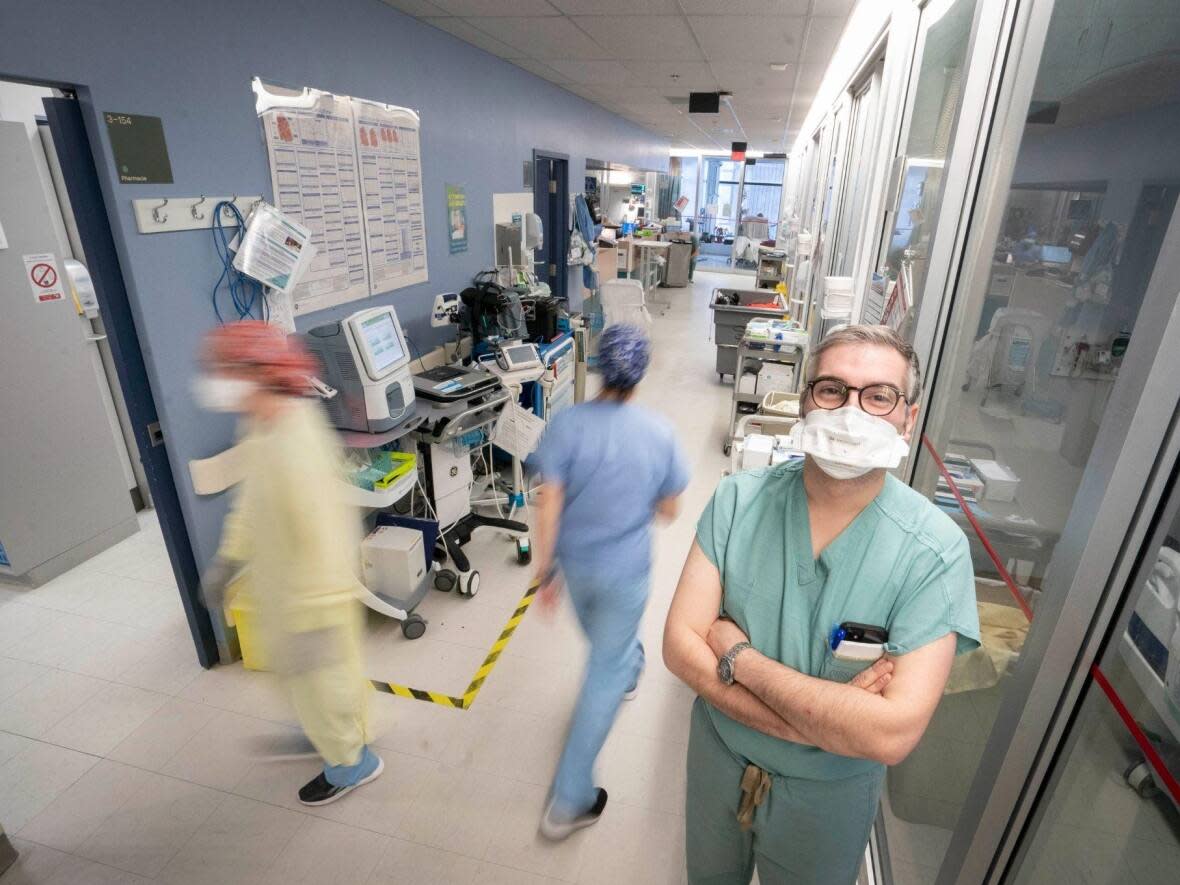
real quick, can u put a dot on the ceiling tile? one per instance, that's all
(744, 7)
(822, 37)
(617, 7)
(471, 8)
(738, 76)
(591, 73)
(810, 76)
(651, 37)
(644, 95)
(542, 38)
(763, 106)
(416, 8)
(834, 7)
(748, 37)
(691, 76)
(541, 70)
(596, 94)
(474, 36)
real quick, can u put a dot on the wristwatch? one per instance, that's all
(725, 665)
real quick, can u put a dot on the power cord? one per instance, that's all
(244, 292)
(417, 353)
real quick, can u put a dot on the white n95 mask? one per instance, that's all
(215, 393)
(848, 442)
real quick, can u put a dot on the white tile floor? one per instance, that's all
(122, 761)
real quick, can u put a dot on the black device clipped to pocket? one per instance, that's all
(858, 642)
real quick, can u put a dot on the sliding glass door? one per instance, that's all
(1047, 437)
(761, 199)
(718, 211)
(1111, 811)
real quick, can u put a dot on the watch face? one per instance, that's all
(725, 670)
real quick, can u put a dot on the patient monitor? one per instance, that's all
(365, 358)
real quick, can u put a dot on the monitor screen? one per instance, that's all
(1056, 254)
(523, 353)
(383, 340)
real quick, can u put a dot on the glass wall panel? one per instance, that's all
(686, 169)
(935, 102)
(1110, 815)
(1025, 382)
(717, 213)
(762, 194)
(865, 102)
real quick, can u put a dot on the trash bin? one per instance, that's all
(929, 786)
(679, 259)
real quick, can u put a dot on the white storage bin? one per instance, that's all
(999, 482)
(756, 450)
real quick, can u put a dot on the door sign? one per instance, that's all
(44, 277)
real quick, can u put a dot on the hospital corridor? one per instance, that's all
(124, 761)
(661, 442)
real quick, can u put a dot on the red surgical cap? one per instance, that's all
(279, 363)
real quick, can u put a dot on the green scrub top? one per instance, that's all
(901, 564)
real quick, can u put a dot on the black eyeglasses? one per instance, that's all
(876, 399)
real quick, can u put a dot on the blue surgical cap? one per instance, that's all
(623, 354)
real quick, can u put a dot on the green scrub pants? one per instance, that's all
(805, 831)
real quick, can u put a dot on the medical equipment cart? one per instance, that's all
(399, 606)
(772, 268)
(460, 404)
(760, 352)
(556, 389)
(732, 310)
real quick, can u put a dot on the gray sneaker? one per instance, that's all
(558, 828)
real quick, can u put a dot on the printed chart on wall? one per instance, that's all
(313, 172)
(391, 193)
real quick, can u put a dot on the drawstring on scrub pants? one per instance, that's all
(755, 786)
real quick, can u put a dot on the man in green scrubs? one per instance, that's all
(789, 739)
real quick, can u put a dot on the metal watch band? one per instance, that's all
(728, 659)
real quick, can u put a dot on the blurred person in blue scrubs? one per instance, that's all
(297, 540)
(608, 468)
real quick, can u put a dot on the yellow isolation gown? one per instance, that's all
(298, 539)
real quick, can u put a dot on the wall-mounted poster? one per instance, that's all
(349, 170)
(457, 217)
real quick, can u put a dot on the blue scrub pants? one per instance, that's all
(806, 832)
(609, 612)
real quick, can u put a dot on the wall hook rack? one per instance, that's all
(150, 217)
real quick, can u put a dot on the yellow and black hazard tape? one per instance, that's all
(481, 675)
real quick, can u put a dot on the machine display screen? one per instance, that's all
(522, 355)
(383, 341)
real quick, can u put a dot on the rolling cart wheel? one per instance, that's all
(471, 587)
(413, 627)
(445, 580)
(524, 552)
(1139, 779)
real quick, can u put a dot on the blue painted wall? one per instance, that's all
(191, 64)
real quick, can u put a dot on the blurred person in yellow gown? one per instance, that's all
(297, 540)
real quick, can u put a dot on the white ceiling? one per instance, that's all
(641, 58)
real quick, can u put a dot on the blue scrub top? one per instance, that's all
(615, 462)
(901, 564)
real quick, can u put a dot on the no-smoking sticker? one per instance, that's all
(44, 277)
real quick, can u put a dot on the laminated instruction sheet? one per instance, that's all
(350, 171)
(391, 193)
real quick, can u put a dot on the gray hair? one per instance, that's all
(882, 336)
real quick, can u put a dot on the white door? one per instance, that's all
(64, 492)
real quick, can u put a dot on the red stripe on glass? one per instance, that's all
(987, 545)
(1153, 757)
